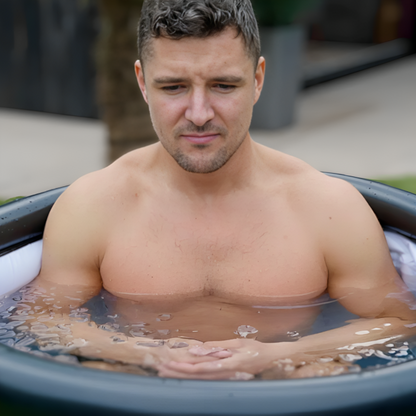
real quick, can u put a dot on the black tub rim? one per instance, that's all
(21, 373)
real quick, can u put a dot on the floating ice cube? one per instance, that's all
(381, 354)
(117, 340)
(179, 345)
(158, 343)
(244, 330)
(350, 357)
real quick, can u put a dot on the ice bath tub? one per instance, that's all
(26, 378)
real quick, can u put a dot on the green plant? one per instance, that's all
(6, 201)
(407, 183)
(281, 12)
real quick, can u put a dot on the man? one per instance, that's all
(208, 214)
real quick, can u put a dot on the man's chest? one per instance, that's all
(239, 256)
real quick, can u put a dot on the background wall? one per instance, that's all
(75, 57)
(46, 56)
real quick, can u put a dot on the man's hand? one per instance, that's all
(249, 357)
(237, 359)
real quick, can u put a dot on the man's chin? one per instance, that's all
(200, 169)
(202, 165)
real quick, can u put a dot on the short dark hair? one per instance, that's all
(176, 19)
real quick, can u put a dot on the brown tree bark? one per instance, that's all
(121, 104)
(388, 19)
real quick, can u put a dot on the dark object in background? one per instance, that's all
(283, 48)
(282, 27)
(75, 57)
(122, 106)
(350, 21)
(46, 56)
(50, 58)
(350, 36)
(368, 22)
(283, 12)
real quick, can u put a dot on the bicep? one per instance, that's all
(361, 273)
(70, 246)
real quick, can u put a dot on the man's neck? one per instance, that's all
(235, 174)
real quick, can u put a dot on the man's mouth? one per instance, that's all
(200, 138)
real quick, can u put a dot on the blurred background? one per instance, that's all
(340, 88)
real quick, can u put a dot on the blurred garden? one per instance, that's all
(76, 59)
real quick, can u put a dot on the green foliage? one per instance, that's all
(2, 201)
(21, 409)
(407, 183)
(281, 12)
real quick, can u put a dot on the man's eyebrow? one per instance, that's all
(168, 80)
(232, 79)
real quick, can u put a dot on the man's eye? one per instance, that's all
(224, 87)
(172, 88)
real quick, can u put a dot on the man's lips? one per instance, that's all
(200, 138)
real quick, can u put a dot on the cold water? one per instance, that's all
(32, 321)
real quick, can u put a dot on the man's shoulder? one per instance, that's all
(298, 177)
(330, 196)
(124, 175)
(309, 189)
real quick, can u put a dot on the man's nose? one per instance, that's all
(199, 110)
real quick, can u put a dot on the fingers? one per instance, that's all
(222, 354)
(190, 359)
(207, 366)
(183, 341)
(169, 373)
(191, 355)
(229, 375)
(214, 370)
(229, 344)
(217, 352)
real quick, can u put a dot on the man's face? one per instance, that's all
(201, 94)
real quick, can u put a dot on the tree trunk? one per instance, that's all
(121, 104)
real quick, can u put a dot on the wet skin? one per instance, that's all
(210, 318)
(207, 212)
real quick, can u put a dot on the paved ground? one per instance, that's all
(362, 125)
(40, 151)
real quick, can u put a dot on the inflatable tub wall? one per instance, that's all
(53, 385)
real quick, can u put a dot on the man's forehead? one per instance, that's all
(222, 45)
(222, 53)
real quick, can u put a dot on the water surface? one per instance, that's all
(32, 321)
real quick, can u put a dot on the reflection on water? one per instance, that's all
(32, 320)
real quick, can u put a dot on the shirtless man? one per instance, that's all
(207, 213)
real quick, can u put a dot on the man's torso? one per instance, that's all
(261, 241)
(255, 247)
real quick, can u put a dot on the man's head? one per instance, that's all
(198, 78)
(176, 19)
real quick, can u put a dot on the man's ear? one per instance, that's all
(259, 78)
(140, 79)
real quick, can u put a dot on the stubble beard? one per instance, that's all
(199, 163)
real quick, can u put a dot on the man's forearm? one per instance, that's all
(358, 334)
(87, 339)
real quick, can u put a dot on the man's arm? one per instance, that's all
(69, 274)
(361, 273)
(73, 239)
(73, 247)
(361, 276)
